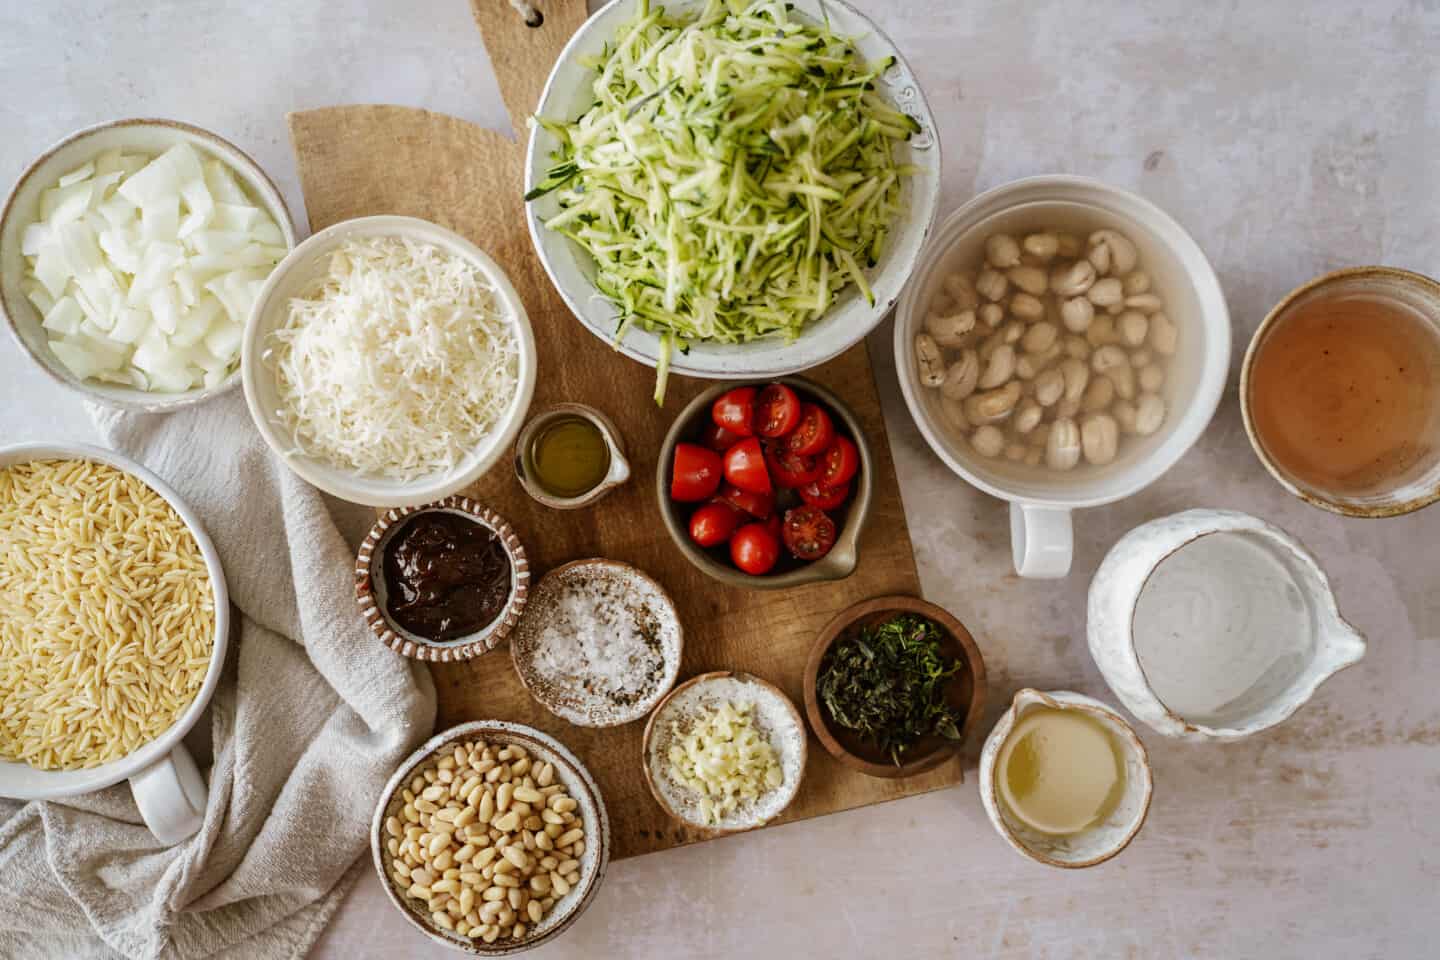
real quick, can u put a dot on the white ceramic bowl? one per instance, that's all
(579, 783)
(1041, 500)
(1098, 842)
(22, 209)
(567, 94)
(167, 786)
(289, 279)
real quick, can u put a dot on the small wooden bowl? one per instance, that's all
(789, 743)
(965, 691)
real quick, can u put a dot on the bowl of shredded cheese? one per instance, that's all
(388, 361)
(724, 752)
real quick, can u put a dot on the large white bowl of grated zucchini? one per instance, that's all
(731, 189)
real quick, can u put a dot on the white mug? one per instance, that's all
(168, 788)
(1041, 500)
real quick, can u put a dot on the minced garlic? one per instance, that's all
(725, 759)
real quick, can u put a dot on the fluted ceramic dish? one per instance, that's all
(148, 136)
(1094, 844)
(568, 93)
(371, 591)
(580, 784)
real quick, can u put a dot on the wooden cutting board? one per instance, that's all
(363, 160)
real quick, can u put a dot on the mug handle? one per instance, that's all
(1042, 541)
(171, 796)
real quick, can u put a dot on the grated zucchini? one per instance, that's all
(735, 172)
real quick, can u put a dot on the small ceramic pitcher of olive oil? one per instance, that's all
(1064, 779)
(569, 456)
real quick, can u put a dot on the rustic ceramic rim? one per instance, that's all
(409, 645)
(1141, 754)
(659, 711)
(1335, 276)
(843, 557)
(613, 442)
(275, 205)
(639, 709)
(499, 731)
(895, 603)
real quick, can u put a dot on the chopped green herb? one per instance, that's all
(887, 684)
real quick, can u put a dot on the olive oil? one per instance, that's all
(1345, 393)
(1060, 771)
(570, 456)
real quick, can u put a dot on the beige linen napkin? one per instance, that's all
(311, 717)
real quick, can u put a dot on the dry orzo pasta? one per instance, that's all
(107, 614)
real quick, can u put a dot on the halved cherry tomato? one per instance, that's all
(758, 505)
(790, 470)
(696, 472)
(719, 439)
(808, 532)
(826, 498)
(754, 549)
(839, 463)
(777, 411)
(734, 410)
(745, 466)
(814, 433)
(713, 523)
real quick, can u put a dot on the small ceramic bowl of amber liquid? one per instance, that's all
(569, 456)
(1340, 391)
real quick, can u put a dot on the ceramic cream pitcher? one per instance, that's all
(1213, 625)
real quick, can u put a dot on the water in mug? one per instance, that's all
(1222, 627)
(1345, 393)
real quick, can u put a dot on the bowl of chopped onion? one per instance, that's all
(130, 254)
(388, 361)
(731, 195)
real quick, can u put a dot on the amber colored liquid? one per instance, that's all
(1345, 393)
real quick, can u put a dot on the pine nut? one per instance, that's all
(573, 877)
(491, 934)
(553, 830)
(536, 912)
(559, 885)
(493, 893)
(392, 826)
(540, 884)
(517, 858)
(520, 767)
(565, 839)
(528, 795)
(444, 886)
(420, 891)
(491, 910)
(443, 919)
(544, 841)
(505, 880)
(506, 917)
(486, 810)
(445, 776)
(503, 797)
(508, 822)
(425, 806)
(546, 775)
(515, 897)
(444, 860)
(467, 900)
(504, 866)
(518, 932)
(567, 866)
(392, 847)
(578, 850)
(550, 816)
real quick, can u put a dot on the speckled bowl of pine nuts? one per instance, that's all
(1061, 345)
(492, 838)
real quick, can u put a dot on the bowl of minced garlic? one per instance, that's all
(492, 838)
(724, 752)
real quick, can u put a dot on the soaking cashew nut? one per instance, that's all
(929, 361)
(1041, 246)
(1075, 280)
(1099, 438)
(1132, 325)
(1032, 280)
(962, 376)
(1114, 250)
(988, 441)
(1062, 446)
(993, 405)
(951, 331)
(1002, 251)
(999, 368)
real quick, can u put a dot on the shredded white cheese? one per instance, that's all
(396, 363)
(725, 759)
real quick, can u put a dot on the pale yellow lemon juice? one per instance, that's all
(1060, 771)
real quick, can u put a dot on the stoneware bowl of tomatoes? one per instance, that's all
(767, 485)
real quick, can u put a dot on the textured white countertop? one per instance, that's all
(1290, 139)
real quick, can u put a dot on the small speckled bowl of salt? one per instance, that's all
(599, 644)
(777, 720)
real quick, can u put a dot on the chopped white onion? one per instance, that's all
(145, 268)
